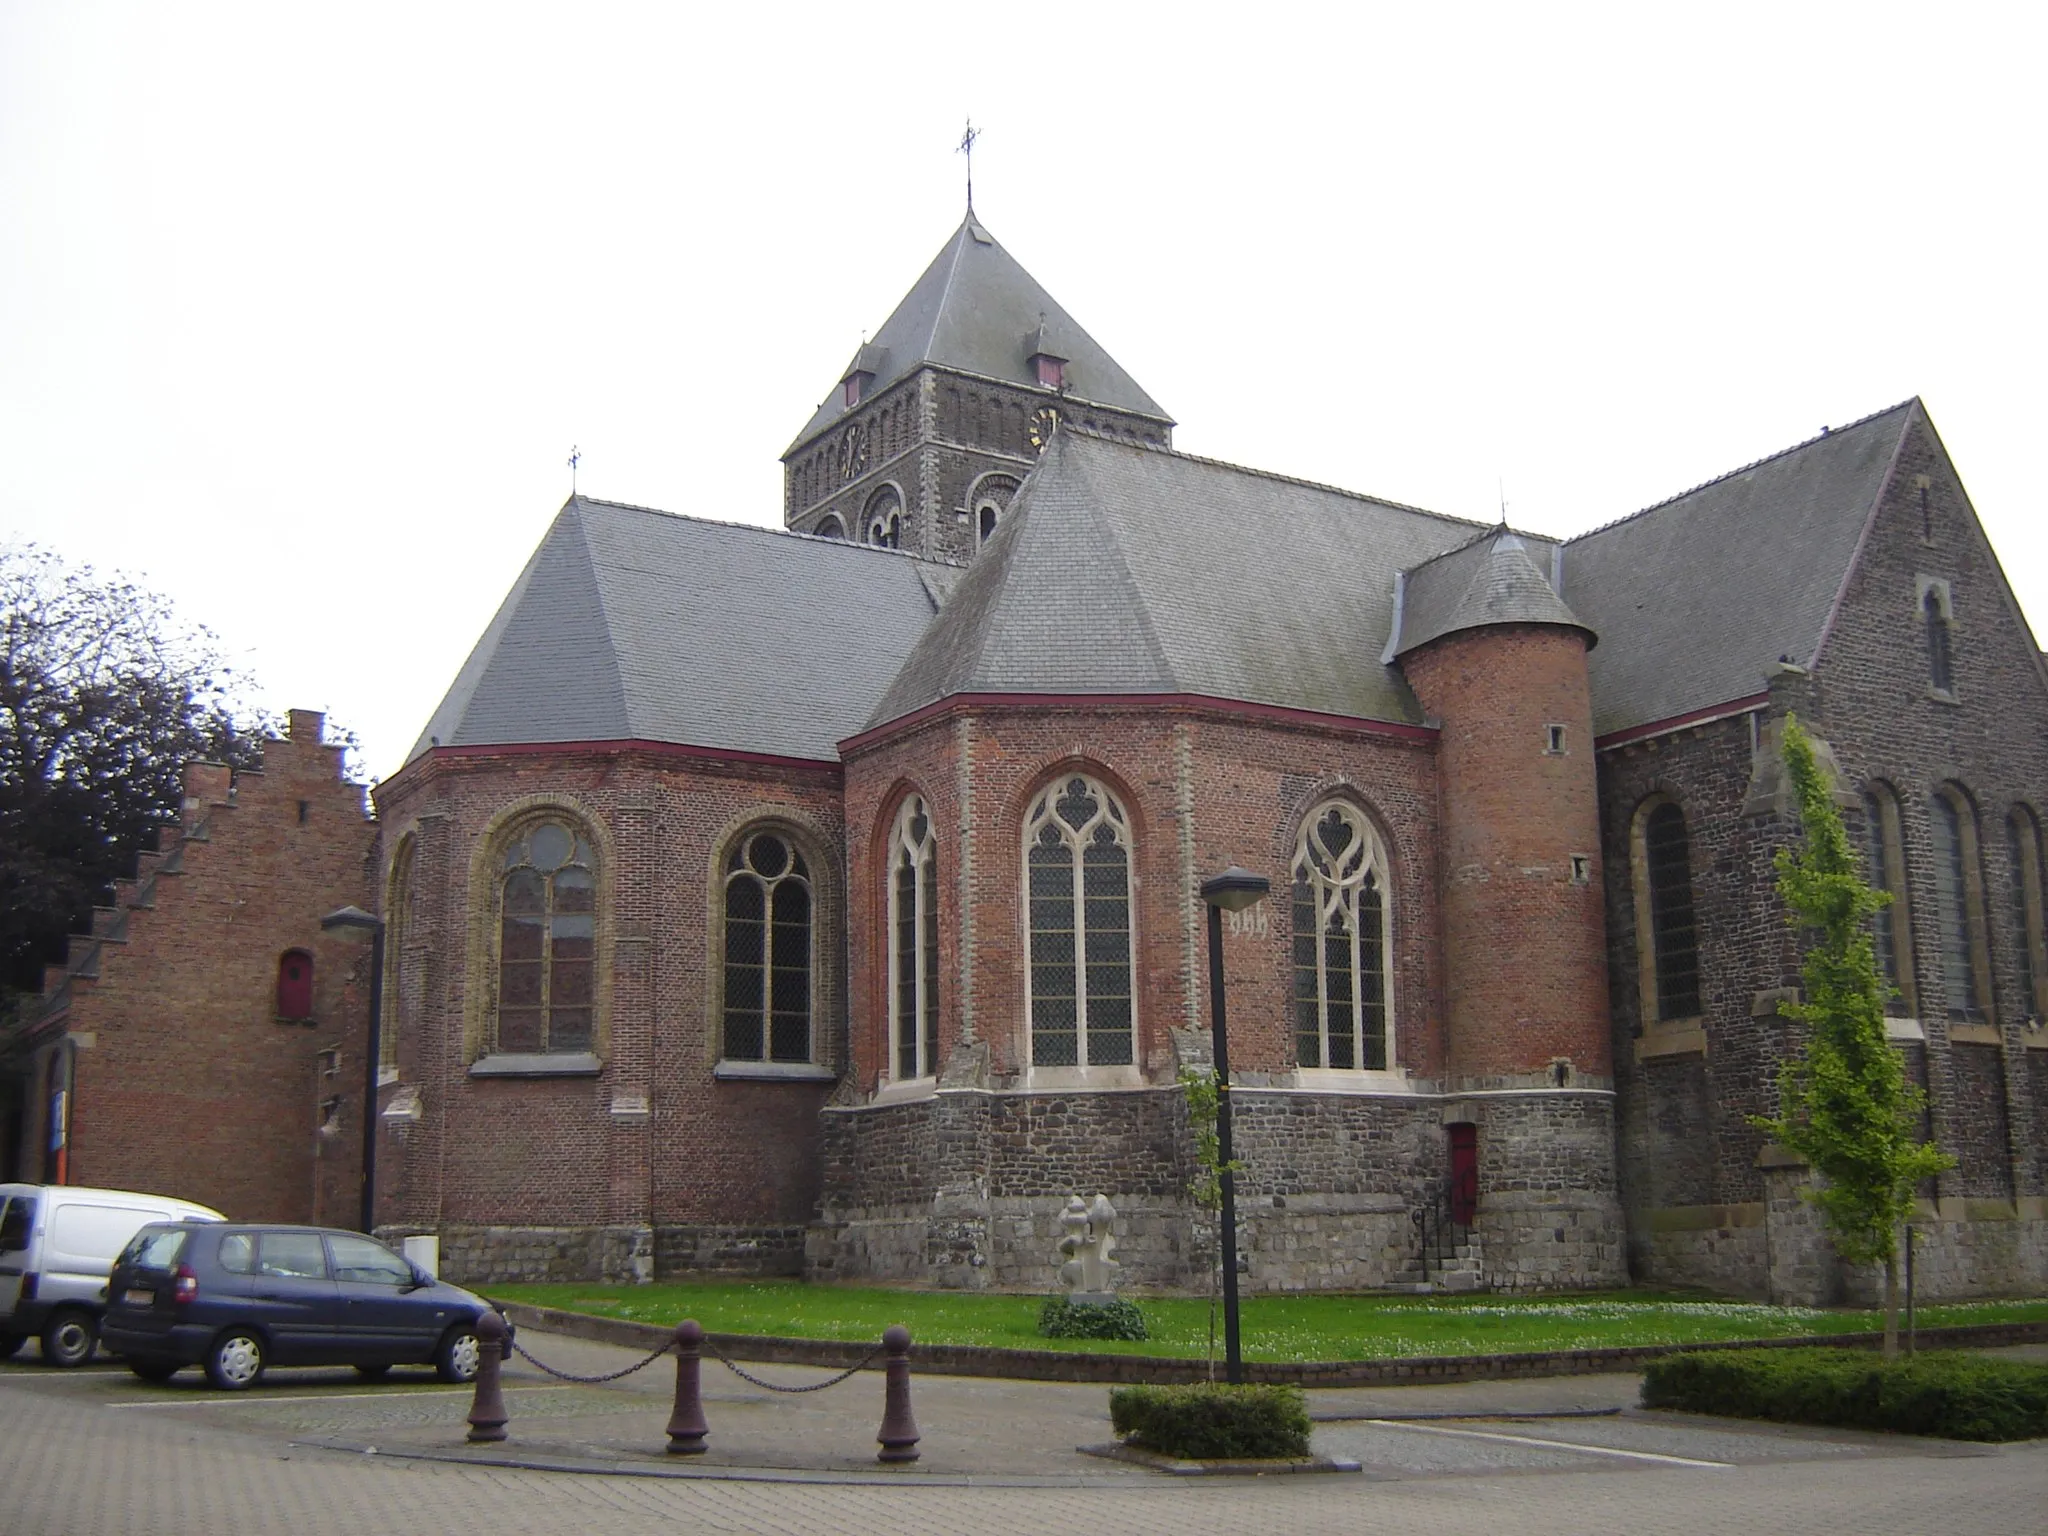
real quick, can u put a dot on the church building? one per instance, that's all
(824, 899)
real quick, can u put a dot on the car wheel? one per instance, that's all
(373, 1372)
(456, 1359)
(236, 1360)
(9, 1343)
(154, 1370)
(69, 1338)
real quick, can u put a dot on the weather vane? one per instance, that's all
(966, 147)
(575, 458)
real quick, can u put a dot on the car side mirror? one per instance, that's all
(420, 1279)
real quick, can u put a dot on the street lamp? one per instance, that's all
(355, 922)
(1232, 891)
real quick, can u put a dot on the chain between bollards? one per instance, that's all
(898, 1434)
(487, 1409)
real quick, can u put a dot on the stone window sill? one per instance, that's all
(1347, 1080)
(1085, 1077)
(537, 1064)
(1904, 1029)
(2034, 1035)
(1973, 1034)
(773, 1072)
(906, 1091)
(386, 1076)
(1943, 696)
(1674, 1037)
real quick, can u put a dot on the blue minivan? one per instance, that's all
(237, 1297)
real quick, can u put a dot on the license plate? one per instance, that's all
(138, 1298)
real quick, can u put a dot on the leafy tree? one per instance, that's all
(1844, 1102)
(1205, 1185)
(104, 694)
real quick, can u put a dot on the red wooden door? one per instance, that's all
(1464, 1174)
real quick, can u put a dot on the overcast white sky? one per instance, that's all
(302, 307)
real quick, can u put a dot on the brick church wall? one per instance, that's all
(658, 1163)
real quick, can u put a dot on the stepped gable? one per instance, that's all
(1696, 597)
(976, 311)
(1124, 569)
(630, 624)
(1492, 580)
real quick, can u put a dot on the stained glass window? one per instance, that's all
(1954, 888)
(1340, 942)
(1674, 934)
(768, 945)
(914, 941)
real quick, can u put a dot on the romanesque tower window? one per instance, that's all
(914, 941)
(2023, 836)
(1959, 902)
(991, 498)
(1892, 929)
(1667, 934)
(547, 941)
(1077, 869)
(1342, 926)
(768, 948)
(883, 518)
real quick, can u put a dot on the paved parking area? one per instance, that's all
(318, 1451)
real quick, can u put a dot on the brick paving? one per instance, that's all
(75, 1461)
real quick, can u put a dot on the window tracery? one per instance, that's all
(768, 915)
(547, 941)
(1077, 867)
(1341, 931)
(914, 941)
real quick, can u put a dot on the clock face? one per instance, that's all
(1043, 425)
(853, 453)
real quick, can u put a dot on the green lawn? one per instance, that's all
(1275, 1327)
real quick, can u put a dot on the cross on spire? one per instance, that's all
(966, 147)
(575, 458)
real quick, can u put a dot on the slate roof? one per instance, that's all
(1126, 569)
(1693, 598)
(977, 311)
(1492, 580)
(632, 624)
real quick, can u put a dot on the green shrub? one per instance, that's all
(1947, 1393)
(1213, 1421)
(1060, 1318)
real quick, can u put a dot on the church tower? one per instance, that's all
(937, 420)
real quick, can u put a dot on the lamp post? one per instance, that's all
(355, 922)
(1232, 891)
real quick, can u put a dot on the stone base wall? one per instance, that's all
(1716, 1248)
(965, 1189)
(624, 1255)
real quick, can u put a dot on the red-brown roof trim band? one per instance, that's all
(1171, 703)
(1705, 716)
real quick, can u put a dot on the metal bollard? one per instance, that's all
(686, 1426)
(487, 1411)
(898, 1434)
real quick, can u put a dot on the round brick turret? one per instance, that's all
(1524, 922)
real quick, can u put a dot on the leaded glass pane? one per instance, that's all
(1880, 879)
(1339, 985)
(1951, 899)
(746, 954)
(1669, 856)
(790, 973)
(550, 845)
(930, 879)
(1372, 950)
(2023, 851)
(1339, 965)
(1308, 1034)
(1055, 1013)
(906, 967)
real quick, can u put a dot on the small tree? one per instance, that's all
(1205, 1186)
(1844, 1102)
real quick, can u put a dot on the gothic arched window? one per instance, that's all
(1892, 929)
(769, 918)
(397, 934)
(1342, 924)
(1667, 935)
(1077, 868)
(914, 941)
(2023, 839)
(547, 941)
(1959, 904)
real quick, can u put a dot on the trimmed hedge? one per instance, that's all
(1211, 1421)
(1947, 1393)
(1060, 1318)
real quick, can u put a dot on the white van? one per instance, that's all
(58, 1244)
